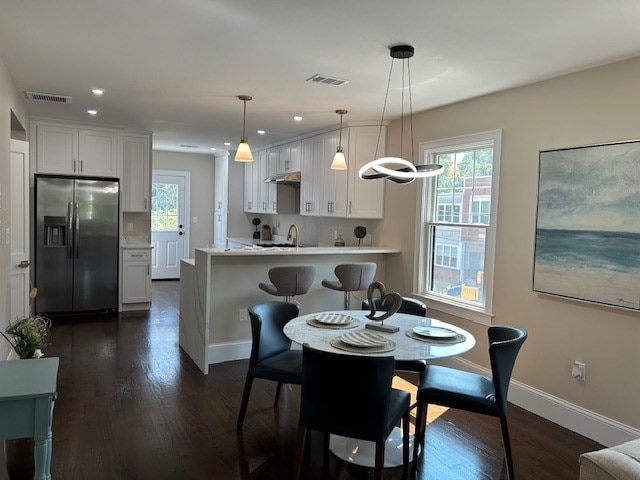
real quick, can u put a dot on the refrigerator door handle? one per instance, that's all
(69, 230)
(76, 230)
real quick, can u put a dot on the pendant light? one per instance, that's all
(243, 154)
(339, 162)
(398, 169)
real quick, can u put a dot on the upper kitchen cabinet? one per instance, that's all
(335, 193)
(365, 197)
(136, 172)
(71, 150)
(289, 157)
(251, 187)
(221, 184)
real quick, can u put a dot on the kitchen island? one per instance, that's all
(220, 284)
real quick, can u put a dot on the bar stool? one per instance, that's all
(289, 281)
(352, 277)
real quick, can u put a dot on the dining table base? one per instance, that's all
(363, 453)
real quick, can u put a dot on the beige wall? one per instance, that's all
(10, 101)
(201, 168)
(594, 106)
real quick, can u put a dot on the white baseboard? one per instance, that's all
(229, 351)
(599, 428)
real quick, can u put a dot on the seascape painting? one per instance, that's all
(587, 244)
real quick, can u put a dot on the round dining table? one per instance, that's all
(325, 330)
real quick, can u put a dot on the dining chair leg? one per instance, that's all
(418, 437)
(245, 401)
(325, 455)
(275, 402)
(299, 453)
(379, 462)
(405, 443)
(507, 447)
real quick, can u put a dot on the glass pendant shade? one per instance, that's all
(243, 153)
(339, 162)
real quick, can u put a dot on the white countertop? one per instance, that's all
(262, 251)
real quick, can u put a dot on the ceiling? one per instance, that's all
(175, 68)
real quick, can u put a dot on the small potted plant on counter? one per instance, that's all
(256, 223)
(360, 232)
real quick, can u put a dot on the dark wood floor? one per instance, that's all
(132, 405)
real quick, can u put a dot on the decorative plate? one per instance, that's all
(364, 339)
(434, 332)
(334, 319)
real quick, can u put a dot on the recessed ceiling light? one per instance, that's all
(226, 144)
(92, 112)
(97, 91)
(261, 132)
(297, 118)
(213, 149)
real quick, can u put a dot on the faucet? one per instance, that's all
(293, 226)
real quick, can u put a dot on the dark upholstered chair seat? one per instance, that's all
(285, 367)
(459, 389)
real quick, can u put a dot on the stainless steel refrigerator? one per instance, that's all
(76, 244)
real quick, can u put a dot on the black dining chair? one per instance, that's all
(271, 354)
(351, 396)
(472, 392)
(410, 306)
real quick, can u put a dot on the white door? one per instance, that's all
(20, 271)
(169, 214)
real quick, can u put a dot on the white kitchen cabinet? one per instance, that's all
(136, 173)
(136, 279)
(335, 193)
(365, 197)
(251, 192)
(220, 229)
(69, 150)
(289, 157)
(221, 184)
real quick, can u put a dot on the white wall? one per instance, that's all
(594, 106)
(201, 168)
(10, 100)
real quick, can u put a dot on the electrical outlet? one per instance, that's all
(579, 371)
(243, 315)
(129, 226)
(195, 219)
(335, 234)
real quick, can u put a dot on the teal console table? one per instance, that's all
(27, 394)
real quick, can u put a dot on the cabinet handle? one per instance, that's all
(137, 254)
(145, 203)
(81, 166)
(286, 165)
(264, 206)
(248, 205)
(74, 165)
(148, 273)
(219, 205)
(274, 206)
(349, 207)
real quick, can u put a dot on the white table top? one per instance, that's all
(406, 348)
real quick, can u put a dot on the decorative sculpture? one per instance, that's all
(393, 299)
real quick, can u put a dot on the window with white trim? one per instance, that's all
(457, 228)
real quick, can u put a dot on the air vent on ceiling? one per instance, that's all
(47, 97)
(334, 82)
(189, 146)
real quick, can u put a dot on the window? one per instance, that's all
(164, 207)
(456, 234)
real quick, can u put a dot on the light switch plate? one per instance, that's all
(7, 236)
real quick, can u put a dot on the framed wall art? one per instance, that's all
(587, 244)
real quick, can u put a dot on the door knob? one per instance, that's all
(24, 264)
(180, 233)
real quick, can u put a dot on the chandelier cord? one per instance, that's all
(384, 108)
(413, 156)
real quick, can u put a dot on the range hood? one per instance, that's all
(291, 178)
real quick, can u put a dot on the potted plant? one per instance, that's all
(360, 232)
(28, 336)
(256, 223)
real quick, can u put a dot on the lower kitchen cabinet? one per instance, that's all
(136, 279)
